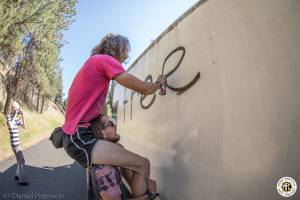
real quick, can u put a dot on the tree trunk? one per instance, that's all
(11, 87)
(8, 101)
(26, 95)
(31, 98)
(65, 105)
(38, 101)
(43, 102)
(32, 94)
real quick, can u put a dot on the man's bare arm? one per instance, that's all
(129, 81)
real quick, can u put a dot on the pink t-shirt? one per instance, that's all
(89, 89)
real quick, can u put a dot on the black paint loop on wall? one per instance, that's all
(124, 103)
(179, 90)
(149, 77)
(132, 94)
(179, 62)
(182, 89)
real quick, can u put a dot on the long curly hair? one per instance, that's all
(114, 45)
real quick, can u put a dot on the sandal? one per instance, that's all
(152, 195)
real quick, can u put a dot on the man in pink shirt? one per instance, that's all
(85, 102)
(88, 92)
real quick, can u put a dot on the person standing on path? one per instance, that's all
(15, 119)
(85, 102)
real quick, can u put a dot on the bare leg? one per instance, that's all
(127, 174)
(108, 153)
(144, 197)
(152, 186)
(111, 198)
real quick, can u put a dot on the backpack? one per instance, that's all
(57, 137)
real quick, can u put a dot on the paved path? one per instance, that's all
(50, 173)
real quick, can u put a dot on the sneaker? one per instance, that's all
(23, 183)
(152, 195)
(16, 178)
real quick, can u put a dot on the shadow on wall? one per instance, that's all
(64, 182)
(172, 180)
(195, 169)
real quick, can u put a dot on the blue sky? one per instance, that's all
(140, 20)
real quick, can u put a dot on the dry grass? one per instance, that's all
(39, 127)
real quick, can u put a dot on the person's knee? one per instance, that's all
(147, 161)
(144, 165)
(20, 158)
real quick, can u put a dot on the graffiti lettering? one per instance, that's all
(124, 104)
(179, 90)
(182, 89)
(132, 94)
(149, 77)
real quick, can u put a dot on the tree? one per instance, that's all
(110, 99)
(30, 40)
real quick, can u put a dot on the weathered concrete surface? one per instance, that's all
(236, 131)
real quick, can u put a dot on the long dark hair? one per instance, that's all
(114, 45)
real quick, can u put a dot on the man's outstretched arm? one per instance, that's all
(145, 88)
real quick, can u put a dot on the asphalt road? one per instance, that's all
(50, 172)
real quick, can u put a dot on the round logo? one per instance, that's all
(286, 186)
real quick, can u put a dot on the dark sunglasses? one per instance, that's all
(110, 124)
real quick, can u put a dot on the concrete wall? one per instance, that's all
(236, 131)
